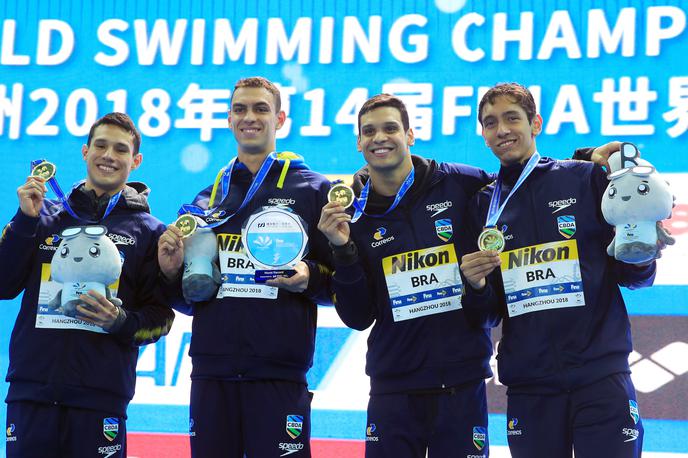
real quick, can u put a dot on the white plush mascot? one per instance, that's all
(201, 276)
(85, 259)
(636, 199)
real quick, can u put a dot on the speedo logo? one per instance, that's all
(438, 207)
(121, 239)
(276, 201)
(631, 433)
(416, 260)
(534, 255)
(110, 450)
(290, 448)
(561, 204)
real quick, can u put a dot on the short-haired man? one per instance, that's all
(566, 336)
(72, 377)
(397, 267)
(252, 343)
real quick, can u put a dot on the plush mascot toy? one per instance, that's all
(201, 276)
(636, 199)
(85, 259)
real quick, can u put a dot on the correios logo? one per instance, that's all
(379, 237)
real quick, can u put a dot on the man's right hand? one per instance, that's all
(476, 266)
(31, 195)
(334, 223)
(171, 252)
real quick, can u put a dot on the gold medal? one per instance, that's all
(491, 238)
(45, 170)
(342, 194)
(187, 224)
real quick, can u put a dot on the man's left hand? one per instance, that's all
(98, 310)
(297, 283)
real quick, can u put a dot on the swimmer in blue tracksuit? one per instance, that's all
(566, 334)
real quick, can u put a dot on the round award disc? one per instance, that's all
(491, 239)
(274, 237)
(341, 194)
(187, 224)
(45, 170)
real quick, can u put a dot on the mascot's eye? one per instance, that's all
(94, 251)
(643, 189)
(611, 193)
(64, 252)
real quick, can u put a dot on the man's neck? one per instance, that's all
(388, 183)
(252, 161)
(99, 192)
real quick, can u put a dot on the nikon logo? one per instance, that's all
(532, 255)
(415, 260)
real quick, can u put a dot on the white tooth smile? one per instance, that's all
(106, 168)
(381, 150)
(507, 143)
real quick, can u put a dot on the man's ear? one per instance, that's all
(281, 119)
(84, 151)
(410, 138)
(137, 161)
(537, 124)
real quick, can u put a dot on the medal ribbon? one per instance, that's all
(360, 203)
(225, 178)
(64, 199)
(495, 210)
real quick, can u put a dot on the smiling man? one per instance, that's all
(72, 375)
(396, 268)
(253, 343)
(566, 335)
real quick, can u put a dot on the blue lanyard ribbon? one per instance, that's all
(495, 210)
(64, 199)
(225, 183)
(360, 203)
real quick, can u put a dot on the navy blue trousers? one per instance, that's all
(37, 430)
(446, 423)
(258, 419)
(597, 420)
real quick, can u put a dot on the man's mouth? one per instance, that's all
(381, 150)
(506, 143)
(106, 168)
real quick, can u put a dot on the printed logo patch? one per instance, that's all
(561, 204)
(380, 233)
(110, 428)
(566, 225)
(10, 432)
(511, 428)
(294, 425)
(370, 430)
(479, 437)
(444, 229)
(633, 410)
(631, 433)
